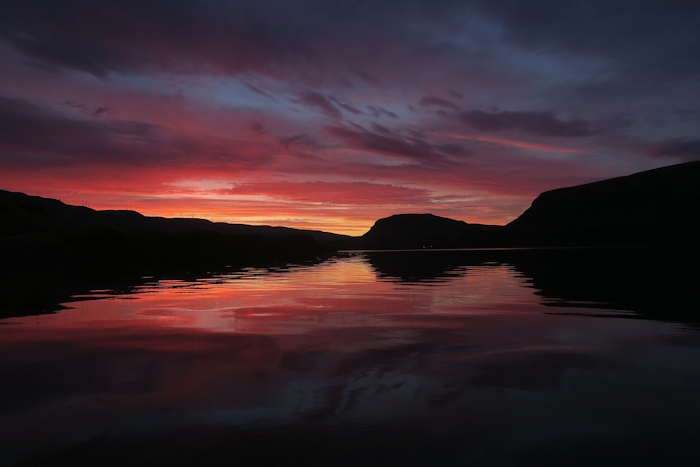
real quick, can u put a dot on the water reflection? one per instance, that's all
(655, 283)
(447, 359)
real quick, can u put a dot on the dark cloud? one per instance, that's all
(393, 145)
(382, 129)
(682, 149)
(351, 109)
(414, 149)
(100, 110)
(355, 193)
(318, 103)
(30, 135)
(378, 112)
(428, 101)
(641, 40)
(91, 36)
(455, 150)
(538, 123)
(459, 95)
(414, 133)
(24, 126)
(364, 76)
(347, 106)
(258, 128)
(301, 139)
(258, 91)
(71, 53)
(687, 115)
(273, 36)
(359, 127)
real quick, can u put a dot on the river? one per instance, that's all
(368, 358)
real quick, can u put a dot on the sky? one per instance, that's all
(329, 115)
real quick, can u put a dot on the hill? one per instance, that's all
(21, 215)
(70, 244)
(659, 206)
(411, 231)
(655, 207)
(665, 195)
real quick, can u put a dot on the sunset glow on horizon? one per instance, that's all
(330, 115)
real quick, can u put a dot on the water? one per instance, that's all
(424, 358)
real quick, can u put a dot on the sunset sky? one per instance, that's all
(330, 114)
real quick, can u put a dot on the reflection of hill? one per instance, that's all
(418, 266)
(658, 283)
(34, 272)
(36, 289)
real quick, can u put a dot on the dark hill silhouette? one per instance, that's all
(21, 214)
(74, 244)
(409, 231)
(660, 206)
(655, 207)
(665, 195)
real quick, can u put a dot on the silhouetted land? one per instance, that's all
(22, 215)
(48, 247)
(660, 206)
(50, 250)
(656, 207)
(408, 231)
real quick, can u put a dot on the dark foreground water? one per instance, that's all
(585, 357)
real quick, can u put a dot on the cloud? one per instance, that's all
(682, 149)
(163, 35)
(396, 146)
(364, 76)
(34, 136)
(301, 139)
(455, 150)
(318, 103)
(378, 112)
(642, 42)
(365, 61)
(347, 106)
(382, 129)
(416, 149)
(687, 115)
(101, 110)
(97, 112)
(320, 40)
(258, 91)
(337, 193)
(538, 123)
(428, 101)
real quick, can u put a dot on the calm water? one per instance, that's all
(424, 358)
